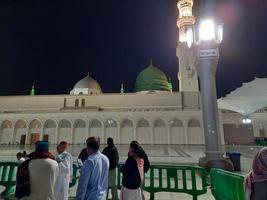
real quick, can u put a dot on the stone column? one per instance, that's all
(206, 70)
(207, 61)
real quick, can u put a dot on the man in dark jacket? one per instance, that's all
(112, 153)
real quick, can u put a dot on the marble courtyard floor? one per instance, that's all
(158, 154)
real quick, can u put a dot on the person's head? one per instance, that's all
(139, 152)
(62, 146)
(110, 142)
(133, 146)
(92, 145)
(19, 155)
(259, 165)
(41, 146)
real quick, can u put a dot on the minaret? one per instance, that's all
(170, 84)
(32, 91)
(187, 76)
(122, 88)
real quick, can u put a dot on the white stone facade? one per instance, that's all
(149, 118)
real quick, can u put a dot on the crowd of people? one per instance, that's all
(44, 176)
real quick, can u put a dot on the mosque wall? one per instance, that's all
(158, 118)
(148, 127)
(46, 103)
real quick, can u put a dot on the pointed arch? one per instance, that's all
(6, 132)
(126, 123)
(79, 132)
(160, 132)
(20, 132)
(50, 131)
(143, 123)
(35, 124)
(95, 123)
(193, 123)
(96, 129)
(20, 124)
(64, 123)
(7, 124)
(159, 123)
(110, 123)
(64, 131)
(177, 132)
(176, 123)
(79, 123)
(34, 133)
(111, 130)
(143, 131)
(195, 133)
(127, 131)
(50, 124)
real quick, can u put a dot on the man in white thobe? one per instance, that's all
(64, 160)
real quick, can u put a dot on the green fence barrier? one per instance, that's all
(8, 171)
(178, 179)
(74, 178)
(227, 185)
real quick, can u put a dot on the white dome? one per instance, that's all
(87, 85)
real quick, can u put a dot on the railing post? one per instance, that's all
(152, 195)
(194, 197)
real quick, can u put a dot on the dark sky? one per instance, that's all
(54, 43)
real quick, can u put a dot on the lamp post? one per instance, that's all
(206, 40)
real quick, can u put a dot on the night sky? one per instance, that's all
(53, 44)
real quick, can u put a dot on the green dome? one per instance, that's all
(151, 79)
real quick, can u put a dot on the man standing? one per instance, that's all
(112, 153)
(36, 176)
(64, 160)
(82, 156)
(93, 182)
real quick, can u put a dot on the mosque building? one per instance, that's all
(152, 114)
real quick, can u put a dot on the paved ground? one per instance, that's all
(171, 154)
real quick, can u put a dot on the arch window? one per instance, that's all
(143, 123)
(50, 124)
(83, 102)
(176, 123)
(193, 123)
(76, 102)
(20, 124)
(6, 124)
(159, 123)
(126, 123)
(35, 124)
(79, 124)
(111, 123)
(64, 124)
(95, 124)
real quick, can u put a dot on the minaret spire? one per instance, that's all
(122, 88)
(188, 78)
(170, 84)
(32, 90)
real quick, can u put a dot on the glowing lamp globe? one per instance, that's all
(207, 30)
